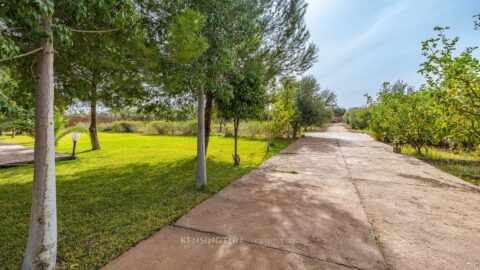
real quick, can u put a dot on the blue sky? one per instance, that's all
(364, 43)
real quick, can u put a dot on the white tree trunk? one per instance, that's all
(201, 178)
(93, 117)
(41, 250)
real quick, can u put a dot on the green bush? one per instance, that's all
(124, 127)
(82, 125)
(406, 118)
(164, 127)
(254, 129)
(357, 118)
(228, 131)
(188, 128)
(250, 129)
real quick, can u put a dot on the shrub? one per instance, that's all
(357, 118)
(228, 131)
(188, 128)
(124, 127)
(250, 129)
(82, 125)
(164, 127)
(254, 129)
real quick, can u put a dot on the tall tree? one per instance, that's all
(105, 67)
(285, 38)
(30, 26)
(248, 101)
(285, 41)
(224, 30)
(314, 105)
(42, 237)
(230, 26)
(182, 48)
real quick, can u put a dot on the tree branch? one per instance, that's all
(21, 55)
(95, 31)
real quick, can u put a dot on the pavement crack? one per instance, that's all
(369, 219)
(269, 247)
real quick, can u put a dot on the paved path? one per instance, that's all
(14, 155)
(332, 200)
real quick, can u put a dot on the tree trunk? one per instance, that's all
(14, 132)
(269, 132)
(41, 250)
(288, 132)
(236, 157)
(296, 130)
(220, 129)
(201, 179)
(93, 117)
(208, 120)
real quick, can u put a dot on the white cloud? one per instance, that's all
(382, 23)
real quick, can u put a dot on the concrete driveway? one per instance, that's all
(12, 155)
(332, 200)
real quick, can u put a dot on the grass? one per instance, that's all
(463, 165)
(110, 199)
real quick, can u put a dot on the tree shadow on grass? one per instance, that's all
(102, 212)
(85, 151)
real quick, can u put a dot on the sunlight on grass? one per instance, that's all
(461, 164)
(110, 199)
(19, 139)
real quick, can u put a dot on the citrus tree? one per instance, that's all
(455, 80)
(401, 115)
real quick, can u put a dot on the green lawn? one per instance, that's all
(463, 165)
(110, 199)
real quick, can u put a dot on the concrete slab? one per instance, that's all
(177, 248)
(12, 155)
(324, 220)
(423, 227)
